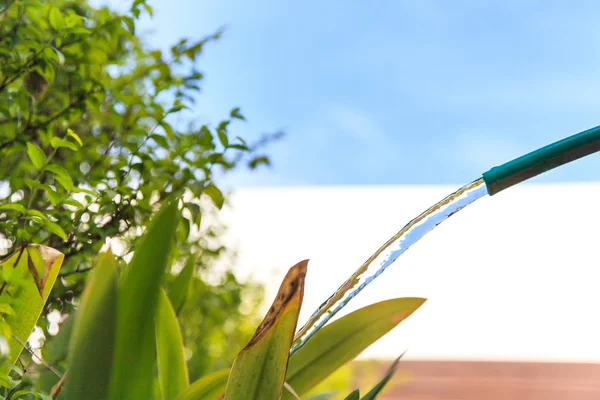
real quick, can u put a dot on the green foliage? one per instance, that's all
(126, 336)
(91, 148)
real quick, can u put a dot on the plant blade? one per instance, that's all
(355, 395)
(92, 345)
(172, 367)
(178, 289)
(343, 340)
(139, 290)
(259, 369)
(379, 387)
(210, 387)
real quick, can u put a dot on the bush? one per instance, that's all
(89, 150)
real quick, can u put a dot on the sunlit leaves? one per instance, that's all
(59, 142)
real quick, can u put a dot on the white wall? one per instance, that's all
(511, 277)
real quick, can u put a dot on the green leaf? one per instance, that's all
(148, 9)
(57, 170)
(172, 366)
(74, 203)
(342, 340)
(235, 113)
(258, 371)
(74, 136)
(36, 155)
(61, 176)
(55, 198)
(257, 161)
(29, 297)
(223, 137)
(58, 142)
(138, 297)
(161, 141)
(92, 342)
(210, 387)
(178, 289)
(129, 23)
(86, 191)
(353, 396)
(56, 19)
(379, 387)
(168, 130)
(6, 309)
(215, 194)
(56, 229)
(14, 207)
(37, 214)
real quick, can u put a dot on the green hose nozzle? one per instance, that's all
(542, 160)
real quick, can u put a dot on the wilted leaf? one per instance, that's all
(25, 298)
(92, 342)
(342, 340)
(259, 369)
(172, 366)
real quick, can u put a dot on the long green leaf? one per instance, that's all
(36, 271)
(379, 387)
(343, 340)
(259, 369)
(210, 387)
(92, 344)
(139, 290)
(172, 368)
(353, 396)
(178, 289)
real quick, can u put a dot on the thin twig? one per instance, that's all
(55, 391)
(44, 363)
(75, 271)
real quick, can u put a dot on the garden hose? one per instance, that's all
(542, 160)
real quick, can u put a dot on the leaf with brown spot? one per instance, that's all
(38, 268)
(259, 370)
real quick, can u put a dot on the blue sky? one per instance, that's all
(393, 92)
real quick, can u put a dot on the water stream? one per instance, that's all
(386, 255)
